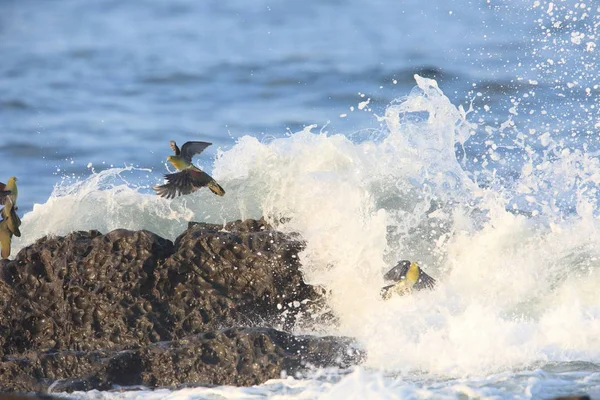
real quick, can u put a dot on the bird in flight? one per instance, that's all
(408, 276)
(189, 178)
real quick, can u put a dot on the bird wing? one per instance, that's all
(4, 195)
(398, 272)
(424, 282)
(184, 182)
(12, 221)
(174, 147)
(2, 186)
(189, 149)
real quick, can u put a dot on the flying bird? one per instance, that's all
(408, 276)
(190, 178)
(8, 191)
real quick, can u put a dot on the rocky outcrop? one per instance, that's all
(235, 356)
(130, 308)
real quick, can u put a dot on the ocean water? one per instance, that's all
(461, 134)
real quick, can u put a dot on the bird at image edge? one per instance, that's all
(8, 191)
(189, 178)
(9, 226)
(10, 223)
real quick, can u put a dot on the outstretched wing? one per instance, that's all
(174, 147)
(398, 272)
(189, 149)
(424, 282)
(184, 182)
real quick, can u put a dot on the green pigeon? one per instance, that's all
(408, 276)
(9, 226)
(189, 178)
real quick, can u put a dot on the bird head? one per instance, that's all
(177, 162)
(12, 179)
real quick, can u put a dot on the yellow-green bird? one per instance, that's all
(8, 191)
(190, 178)
(9, 226)
(408, 276)
(9, 213)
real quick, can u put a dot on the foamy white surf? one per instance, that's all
(113, 199)
(363, 383)
(512, 288)
(515, 291)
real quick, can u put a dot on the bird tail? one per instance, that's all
(400, 288)
(216, 188)
(386, 292)
(5, 253)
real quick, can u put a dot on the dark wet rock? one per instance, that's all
(29, 396)
(82, 292)
(576, 397)
(67, 304)
(247, 263)
(235, 356)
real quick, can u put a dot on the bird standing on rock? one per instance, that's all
(10, 223)
(9, 226)
(190, 178)
(408, 276)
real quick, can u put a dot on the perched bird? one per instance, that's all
(190, 178)
(9, 226)
(8, 191)
(9, 214)
(408, 276)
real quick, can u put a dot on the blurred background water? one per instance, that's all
(92, 84)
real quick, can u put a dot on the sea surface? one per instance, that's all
(461, 134)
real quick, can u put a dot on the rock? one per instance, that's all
(68, 303)
(234, 356)
(82, 292)
(247, 263)
(576, 397)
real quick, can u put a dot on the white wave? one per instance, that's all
(513, 290)
(112, 199)
(363, 383)
(503, 277)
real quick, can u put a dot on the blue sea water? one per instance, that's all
(464, 134)
(110, 83)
